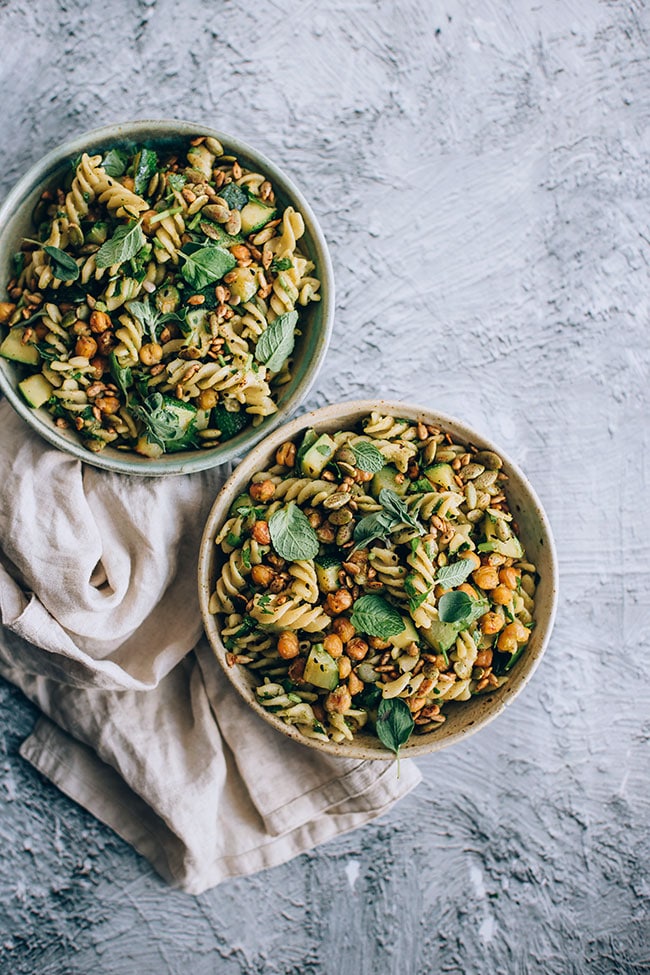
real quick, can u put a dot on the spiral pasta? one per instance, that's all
(373, 588)
(155, 262)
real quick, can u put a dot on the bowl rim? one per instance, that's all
(324, 417)
(190, 462)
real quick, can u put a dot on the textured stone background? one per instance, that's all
(481, 172)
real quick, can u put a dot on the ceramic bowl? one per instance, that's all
(463, 718)
(316, 323)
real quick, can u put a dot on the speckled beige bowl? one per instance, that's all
(463, 718)
(316, 323)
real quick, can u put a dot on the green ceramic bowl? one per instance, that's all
(463, 718)
(316, 324)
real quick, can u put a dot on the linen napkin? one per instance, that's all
(102, 630)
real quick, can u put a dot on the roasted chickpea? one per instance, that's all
(491, 623)
(337, 602)
(339, 700)
(150, 354)
(107, 404)
(262, 575)
(333, 644)
(85, 346)
(344, 628)
(288, 644)
(509, 577)
(501, 595)
(356, 648)
(261, 532)
(286, 454)
(262, 491)
(207, 399)
(99, 322)
(486, 577)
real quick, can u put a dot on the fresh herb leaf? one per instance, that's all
(369, 697)
(416, 601)
(292, 536)
(246, 556)
(276, 342)
(454, 574)
(146, 164)
(18, 262)
(148, 317)
(280, 263)
(375, 616)
(233, 539)
(121, 374)
(393, 504)
(235, 196)
(454, 606)
(64, 267)
(394, 723)
(114, 162)
(47, 352)
(204, 265)
(160, 416)
(176, 181)
(368, 457)
(123, 245)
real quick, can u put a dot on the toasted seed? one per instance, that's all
(470, 471)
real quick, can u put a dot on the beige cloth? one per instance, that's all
(101, 629)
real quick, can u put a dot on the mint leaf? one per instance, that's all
(368, 457)
(292, 536)
(123, 245)
(453, 607)
(234, 196)
(373, 615)
(394, 505)
(454, 574)
(276, 342)
(394, 723)
(146, 164)
(280, 263)
(114, 162)
(205, 265)
(64, 267)
(176, 181)
(121, 374)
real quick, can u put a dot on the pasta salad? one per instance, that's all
(156, 306)
(371, 577)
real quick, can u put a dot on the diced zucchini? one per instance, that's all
(309, 439)
(318, 456)
(36, 390)
(15, 349)
(185, 415)
(321, 670)
(441, 636)
(147, 448)
(408, 635)
(167, 299)
(255, 215)
(511, 547)
(442, 475)
(242, 282)
(242, 501)
(230, 423)
(387, 478)
(327, 573)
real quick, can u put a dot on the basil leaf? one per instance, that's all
(234, 196)
(393, 504)
(123, 245)
(373, 615)
(205, 265)
(146, 164)
(394, 723)
(377, 525)
(121, 374)
(292, 536)
(454, 606)
(276, 342)
(114, 162)
(368, 457)
(454, 574)
(64, 267)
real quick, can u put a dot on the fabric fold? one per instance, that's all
(102, 630)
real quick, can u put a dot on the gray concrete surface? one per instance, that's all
(481, 172)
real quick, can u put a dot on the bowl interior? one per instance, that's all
(316, 319)
(463, 718)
